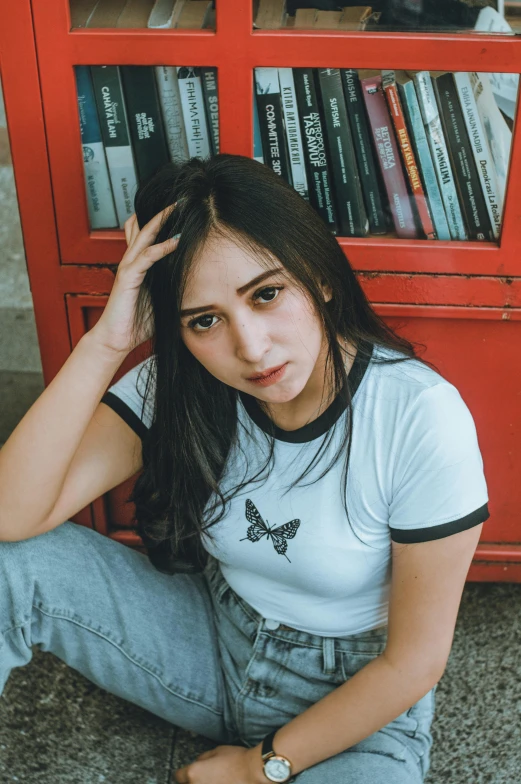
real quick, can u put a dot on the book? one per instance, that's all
(172, 113)
(165, 13)
(305, 18)
(346, 180)
(194, 114)
(364, 151)
(388, 154)
(440, 154)
(467, 179)
(317, 166)
(408, 157)
(211, 101)
(412, 111)
(293, 132)
(257, 141)
(271, 122)
(482, 155)
(145, 121)
(499, 135)
(115, 133)
(100, 201)
(271, 15)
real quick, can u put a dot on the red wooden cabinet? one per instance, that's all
(462, 299)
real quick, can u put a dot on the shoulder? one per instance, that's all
(132, 396)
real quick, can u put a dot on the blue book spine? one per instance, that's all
(100, 200)
(423, 155)
(257, 141)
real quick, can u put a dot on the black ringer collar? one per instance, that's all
(319, 426)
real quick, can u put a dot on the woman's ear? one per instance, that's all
(327, 291)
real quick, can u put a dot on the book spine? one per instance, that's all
(499, 135)
(423, 156)
(257, 141)
(480, 150)
(211, 99)
(319, 178)
(271, 122)
(100, 201)
(108, 92)
(145, 121)
(440, 154)
(364, 152)
(346, 180)
(170, 100)
(408, 157)
(388, 157)
(294, 135)
(467, 179)
(194, 114)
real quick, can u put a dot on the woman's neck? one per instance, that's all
(317, 395)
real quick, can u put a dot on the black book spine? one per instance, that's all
(346, 180)
(271, 122)
(319, 178)
(472, 202)
(211, 102)
(364, 151)
(144, 117)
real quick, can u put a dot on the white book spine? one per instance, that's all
(194, 114)
(124, 182)
(293, 133)
(162, 14)
(100, 201)
(170, 100)
(499, 135)
(482, 154)
(440, 154)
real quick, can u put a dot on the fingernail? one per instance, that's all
(176, 236)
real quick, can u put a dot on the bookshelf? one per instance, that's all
(461, 299)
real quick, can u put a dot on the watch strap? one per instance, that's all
(267, 745)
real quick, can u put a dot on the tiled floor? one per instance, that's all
(58, 728)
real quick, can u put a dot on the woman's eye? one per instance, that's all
(202, 324)
(268, 294)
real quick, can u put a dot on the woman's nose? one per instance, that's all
(251, 340)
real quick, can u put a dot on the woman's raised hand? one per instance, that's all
(114, 328)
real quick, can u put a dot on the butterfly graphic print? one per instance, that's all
(259, 528)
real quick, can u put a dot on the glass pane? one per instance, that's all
(155, 14)
(413, 155)
(133, 120)
(391, 15)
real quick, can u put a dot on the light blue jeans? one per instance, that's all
(189, 649)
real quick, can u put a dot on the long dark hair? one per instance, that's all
(187, 445)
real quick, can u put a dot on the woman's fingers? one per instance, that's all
(139, 239)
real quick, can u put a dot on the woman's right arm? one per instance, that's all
(69, 448)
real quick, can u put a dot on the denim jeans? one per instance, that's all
(188, 649)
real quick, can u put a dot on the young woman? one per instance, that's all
(311, 495)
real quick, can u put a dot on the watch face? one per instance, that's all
(277, 769)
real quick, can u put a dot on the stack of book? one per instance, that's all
(134, 119)
(422, 154)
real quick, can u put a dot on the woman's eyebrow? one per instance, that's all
(241, 290)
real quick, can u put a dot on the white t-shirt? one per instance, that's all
(415, 474)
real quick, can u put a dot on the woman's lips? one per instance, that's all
(271, 376)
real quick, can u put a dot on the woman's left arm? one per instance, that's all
(426, 587)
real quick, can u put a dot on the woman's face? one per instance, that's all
(240, 320)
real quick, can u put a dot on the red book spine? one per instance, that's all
(388, 157)
(411, 167)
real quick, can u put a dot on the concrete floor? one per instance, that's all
(58, 728)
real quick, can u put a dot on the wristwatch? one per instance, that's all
(276, 767)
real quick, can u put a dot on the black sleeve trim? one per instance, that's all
(415, 535)
(125, 412)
